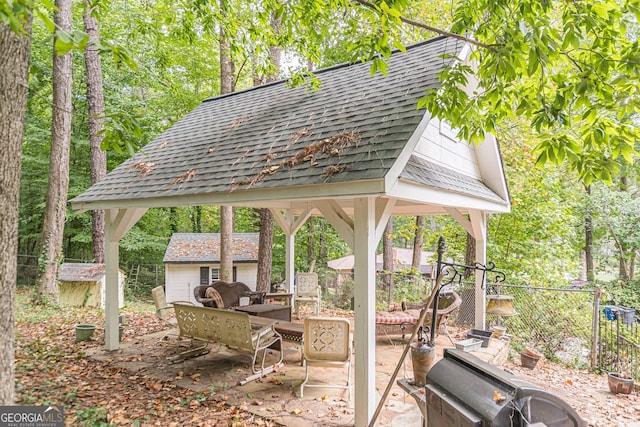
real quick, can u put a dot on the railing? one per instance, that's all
(619, 341)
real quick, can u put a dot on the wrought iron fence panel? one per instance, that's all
(619, 341)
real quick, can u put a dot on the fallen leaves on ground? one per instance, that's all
(53, 369)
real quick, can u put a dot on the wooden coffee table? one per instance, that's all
(271, 311)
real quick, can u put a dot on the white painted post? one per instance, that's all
(290, 260)
(111, 339)
(481, 257)
(364, 306)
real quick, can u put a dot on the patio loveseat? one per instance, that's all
(233, 329)
(403, 322)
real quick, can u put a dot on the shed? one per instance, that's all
(357, 151)
(84, 285)
(193, 259)
(402, 260)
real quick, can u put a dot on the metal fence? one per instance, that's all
(560, 322)
(619, 341)
(567, 325)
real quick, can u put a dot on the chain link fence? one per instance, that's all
(559, 322)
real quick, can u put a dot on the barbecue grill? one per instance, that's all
(463, 390)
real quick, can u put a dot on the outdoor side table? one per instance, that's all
(285, 297)
(271, 311)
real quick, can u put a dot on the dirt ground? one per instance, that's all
(136, 385)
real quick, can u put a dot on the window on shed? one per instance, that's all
(204, 275)
(215, 274)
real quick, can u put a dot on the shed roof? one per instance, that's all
(205, 248)
(233, 147)
(80, 272)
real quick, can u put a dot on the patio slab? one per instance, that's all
(276, 396)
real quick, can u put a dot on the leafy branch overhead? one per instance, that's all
(569, 69)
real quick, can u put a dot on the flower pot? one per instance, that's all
(618, 383)
(85, 332)
(533, 352)
(528, 361)
(499, 331)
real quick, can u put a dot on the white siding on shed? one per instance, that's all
(438, 143)
(181, 279)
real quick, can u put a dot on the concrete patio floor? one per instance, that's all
(276, 396)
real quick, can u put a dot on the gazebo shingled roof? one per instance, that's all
(357, 151)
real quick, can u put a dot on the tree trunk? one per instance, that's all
(226, 212)
(387, 257)
(311, 240)
(14, 81)
(264, 251)
(624, 248)
(470, 255)
(56, 205)
(265, 242)
(588, 241)
(95, 103)
(416, 261)
(196, 219)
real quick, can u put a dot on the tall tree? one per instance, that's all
(387, 256)
(416, 260)
(95, 104)
(15, 46)
(265, 255)
(226, 212)
(56, 204)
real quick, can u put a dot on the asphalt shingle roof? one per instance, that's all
(353, 128)
(205, 248)
(437, 176)
(80, 272)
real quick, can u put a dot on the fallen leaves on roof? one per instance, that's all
(143, 167)
(328, 147)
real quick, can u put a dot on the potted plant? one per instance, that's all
(529, 357)
(619, 383)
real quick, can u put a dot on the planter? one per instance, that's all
(499, 331)
(471, 344)
(85, 332)
(480, 334)
(618, 383)
(528, 361)
(533, 352)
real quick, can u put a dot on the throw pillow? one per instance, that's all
(215, 296)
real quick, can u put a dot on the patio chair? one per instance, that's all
(402, 322)
(307, 291)
(226, 294)
(326, 344)
(163, 309)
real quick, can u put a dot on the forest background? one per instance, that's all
(160, 60)
(560, 88)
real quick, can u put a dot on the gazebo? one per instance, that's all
(356, 151)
